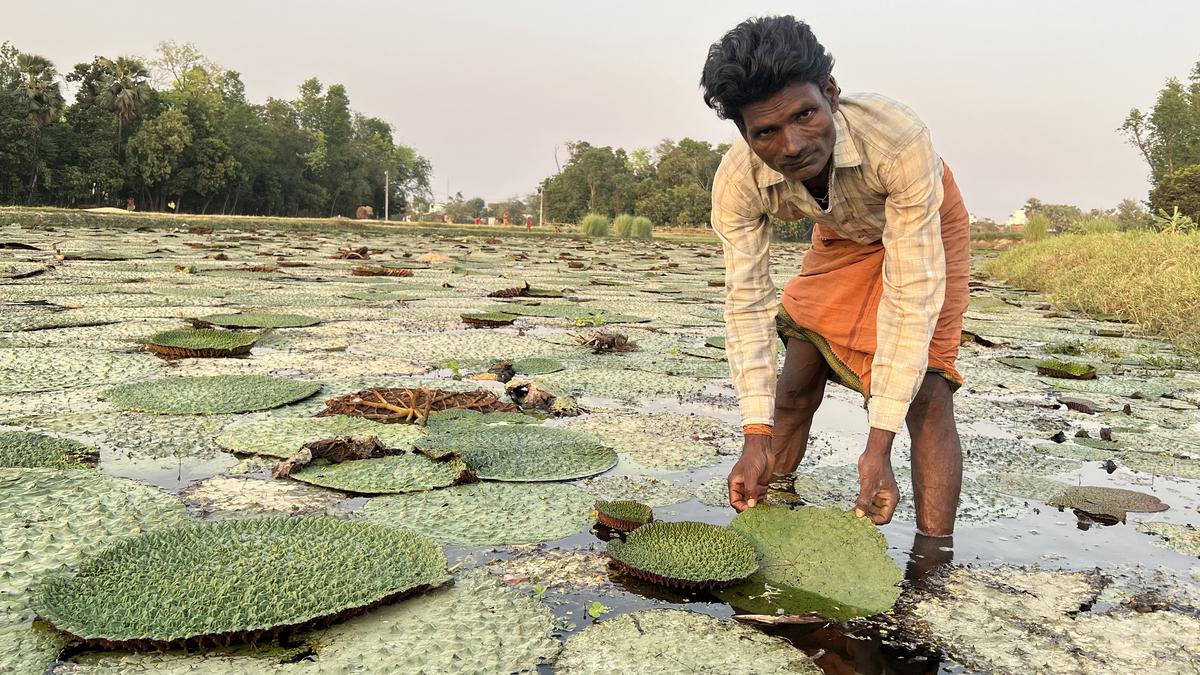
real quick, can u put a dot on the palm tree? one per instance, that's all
(39, 89)
(124, 91)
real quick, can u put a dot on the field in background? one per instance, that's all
(1149, 278)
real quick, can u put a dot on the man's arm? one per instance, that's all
(750, 298)
(750, 307)
(914, 282)
(914, 286)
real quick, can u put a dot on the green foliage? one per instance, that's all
(209, 394)
(282, 436)
(385, 475)
(204, 339)
(1172, 223)
(482, 514)
(1093, 226)
(241, 576)
(1106, 501)
(793, 230)
(259, 320)
(196, 141)
(1146, 277)
(643, 228)
(597, 609)
(623, 514)
(1037, 228)
(827, 552)
(1178, 189)
(522, 452)
(595, 225)
(686, 554)
(1059, 216)
(24, 449)
(623, 225)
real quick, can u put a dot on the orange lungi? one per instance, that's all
(832, 303)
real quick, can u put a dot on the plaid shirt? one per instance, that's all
(886, 184)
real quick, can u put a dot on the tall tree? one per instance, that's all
(125, 90)
(41, 94)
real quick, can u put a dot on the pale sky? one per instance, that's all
(1023, 98)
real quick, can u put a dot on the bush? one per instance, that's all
(1146, 277)
(642, 228)
(1093, 226)
(1178, 189)
(623, 225)
(595, 225)
(1038, 228)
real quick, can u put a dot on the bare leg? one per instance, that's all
(936, 457)
(798, 394)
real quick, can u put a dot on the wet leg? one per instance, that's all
(936, 457)
(798, 394)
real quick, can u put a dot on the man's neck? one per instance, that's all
(818, 185)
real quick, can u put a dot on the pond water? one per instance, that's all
(54, 367)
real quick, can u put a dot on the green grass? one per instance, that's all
(1038, 228)
(643, 228)
(624, 225)
(595, 225)
(1152, 279)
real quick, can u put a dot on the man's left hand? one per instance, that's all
(878, 493)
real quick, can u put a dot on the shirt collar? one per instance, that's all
(845, 153)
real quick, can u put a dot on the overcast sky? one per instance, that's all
(1023, 97)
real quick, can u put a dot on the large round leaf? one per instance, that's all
(240, 576)
(209, 394)
(523, 452)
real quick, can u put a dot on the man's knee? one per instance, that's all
(934, 395)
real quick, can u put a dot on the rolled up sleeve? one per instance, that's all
(914, 282)
(751, 302)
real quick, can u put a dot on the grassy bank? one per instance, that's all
(1150, 278)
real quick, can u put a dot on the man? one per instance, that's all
(878, 302)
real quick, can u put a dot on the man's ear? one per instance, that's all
(832, 93)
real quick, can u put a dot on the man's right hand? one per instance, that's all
(749, 477)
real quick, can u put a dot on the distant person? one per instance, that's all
(506, 219)
(476, 220)
(878, 302)
(528, 222)
(130, 204)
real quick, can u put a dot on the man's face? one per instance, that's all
(793, 131)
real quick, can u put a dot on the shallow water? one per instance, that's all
(999, 406)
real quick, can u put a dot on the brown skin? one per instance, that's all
(793, 133)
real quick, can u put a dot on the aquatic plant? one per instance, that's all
(685, 555)
(23, 449)
(244, 579)
(623, 515)
(209, 394)
(256, 320)
(201, 342)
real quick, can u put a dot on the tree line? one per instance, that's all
(177, 133)
(1168, 137)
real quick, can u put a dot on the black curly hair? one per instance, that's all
(759, 57)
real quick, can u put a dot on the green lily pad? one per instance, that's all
(243, 576)
(488, 513)
(523, 452)
(283, 436)
(22, 449)
(1105, 501)
(678, 642)
(536, 366)
(53, 369)
(259, 320)
(209, 394)
(385, 475)
(1066, 370)
(686, 555)
(201, 342)
(623, 515)
(1161, 465)
(827, 552)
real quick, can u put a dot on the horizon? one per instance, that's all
(490, 109)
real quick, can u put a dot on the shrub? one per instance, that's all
(1093, 226)
(1146, 277)
(595, 225)
(1038, 228)
(643, 228)
(623, 225)
(1178, 189)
